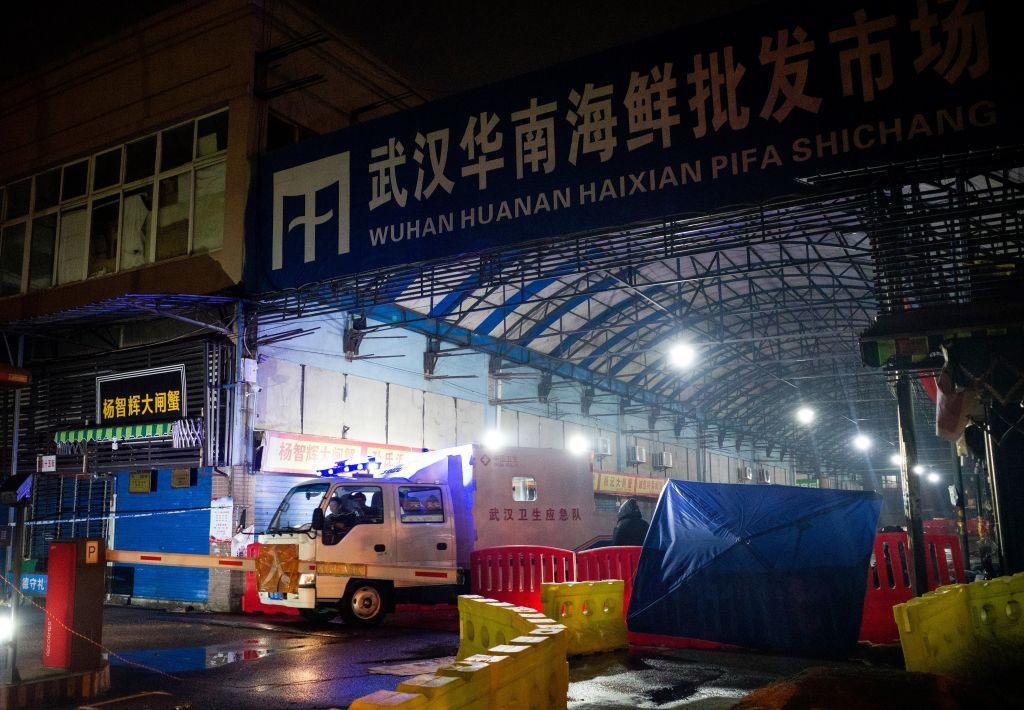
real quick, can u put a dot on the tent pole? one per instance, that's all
(911, 485)
(961, 506)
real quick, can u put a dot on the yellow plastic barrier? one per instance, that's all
(484, 623)
(509, 658)
(591, 613)
(965, 630)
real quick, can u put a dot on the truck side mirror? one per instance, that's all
(318, 519)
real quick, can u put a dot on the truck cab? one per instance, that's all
(373, 540)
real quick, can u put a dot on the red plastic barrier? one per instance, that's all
(514, 573)
(617, 562)
(251, 603)
(945, 560)
(889, 579)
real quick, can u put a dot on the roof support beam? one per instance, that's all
(509, 352)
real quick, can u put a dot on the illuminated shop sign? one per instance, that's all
(730, 112)
(154, 395)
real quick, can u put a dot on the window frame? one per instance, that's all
(527, 481)
(328, 536)
(423, 486)
(360, 486)
(120, 188)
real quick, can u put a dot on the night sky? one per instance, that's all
(441, 47)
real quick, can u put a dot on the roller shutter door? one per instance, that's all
(166, 520)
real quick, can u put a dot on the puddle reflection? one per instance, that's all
(191, 658)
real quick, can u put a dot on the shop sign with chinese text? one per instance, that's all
(733, 111)
(622, 484)
(303, 453)
(140, 397)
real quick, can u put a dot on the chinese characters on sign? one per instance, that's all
(34, 583)
(221, 519)
(141, 397)
(622, 484)
(641, 133)
(863, 47)
(534, 515)
(302, 453)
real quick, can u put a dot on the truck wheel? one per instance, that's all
(319, 616)
(363, 604)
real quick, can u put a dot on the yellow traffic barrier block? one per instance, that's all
(449, 691)
(389, 699)
(484, 623)
(509, 658)
(997, 618)
(935, 631)
(591, 613)
(965, 630)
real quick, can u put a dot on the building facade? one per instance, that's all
(124, 175)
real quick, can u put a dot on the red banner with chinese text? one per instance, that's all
(622, 484)
(284, 452)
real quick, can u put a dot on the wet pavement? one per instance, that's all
(673, 678)
(165, 660)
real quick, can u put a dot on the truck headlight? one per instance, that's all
(307, 580)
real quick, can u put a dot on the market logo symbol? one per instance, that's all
(310, 200)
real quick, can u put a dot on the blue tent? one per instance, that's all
(772, 567)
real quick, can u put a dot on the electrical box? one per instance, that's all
(604, 446)
(76, 586)
(662, 460)
(636, 455)
(250, 370)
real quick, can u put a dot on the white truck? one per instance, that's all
(368, 541)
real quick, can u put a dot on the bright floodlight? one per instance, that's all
(577, 445)
(6, 627)
(805, 415)
(918, 469)
(896, 460)
(682, 355)
(862, 442)
(493, 439)
(934, 477)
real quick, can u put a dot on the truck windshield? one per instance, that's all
(296, 510)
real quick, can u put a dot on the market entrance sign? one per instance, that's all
(700, 119)
(153, 395)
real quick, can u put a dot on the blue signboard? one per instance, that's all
(33, 583)
(697, 120)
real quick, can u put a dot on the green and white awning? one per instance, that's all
(114, 433)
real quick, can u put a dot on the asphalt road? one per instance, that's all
(162, 661)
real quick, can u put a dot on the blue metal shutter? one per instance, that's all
(174, 525)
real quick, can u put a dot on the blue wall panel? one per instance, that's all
(166, 532)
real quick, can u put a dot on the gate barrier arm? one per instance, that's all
(180, 559)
